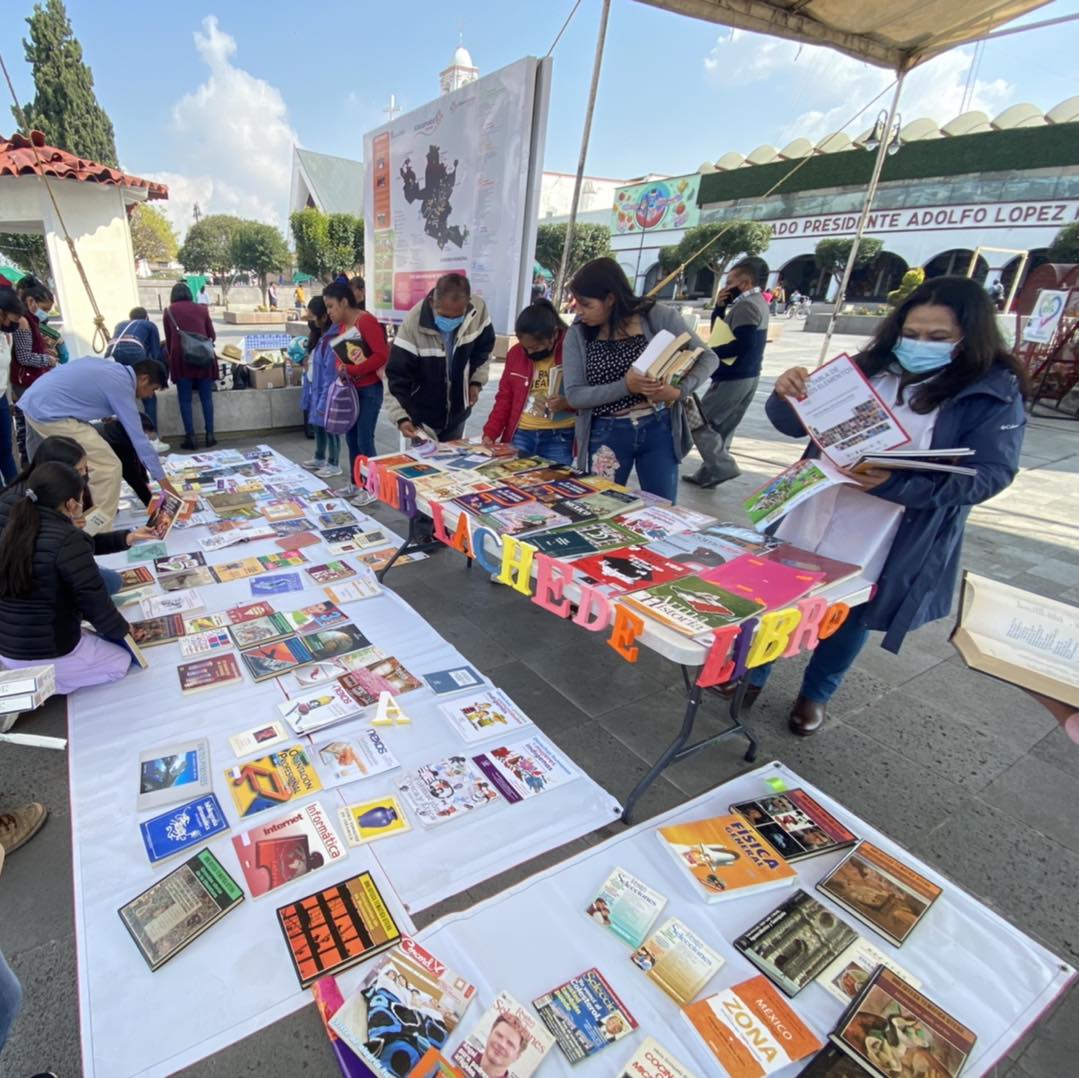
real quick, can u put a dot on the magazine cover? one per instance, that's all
(585, 1015)
(796, 825)
(364, 821)
(350, 759)
(508, 1041)
(725, 857)
(881, 891)
(176, 773)
(445, 790)
(270, 660)
(691, 606)
(678, 960)
(275, 853)
(627, 906)
(320, 707)
(523, 771)
(176, 909)
(796, 941)
(652, 1060)
(182, 827)
(337, 927)
(485, 715)
(271, 781)
(627, 568)
(410, 1002)
(893, 1029)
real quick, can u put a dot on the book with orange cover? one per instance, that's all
(751, 1029)
(725, 857)
(763, 581)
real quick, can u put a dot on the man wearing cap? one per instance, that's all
(134, 339)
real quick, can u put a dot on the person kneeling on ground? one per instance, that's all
(940, 364)
(50, 584)
(526, 412)
(67, 451)
(73, 397)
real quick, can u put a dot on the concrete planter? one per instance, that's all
(256, 318)
(235, 411)
(859, 325)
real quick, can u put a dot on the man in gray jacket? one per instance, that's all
(734, 382)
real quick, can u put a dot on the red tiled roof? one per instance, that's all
(18, 159)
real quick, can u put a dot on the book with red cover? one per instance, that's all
(832, 571)
(627, 568)
(768, 582)
(237, 615)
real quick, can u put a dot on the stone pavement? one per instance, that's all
(966, 772)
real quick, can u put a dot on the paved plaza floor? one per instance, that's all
(966, 772)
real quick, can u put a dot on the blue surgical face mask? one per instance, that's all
(448, 325)
(918, 357)
(42, 316)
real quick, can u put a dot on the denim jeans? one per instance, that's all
(556, 444)
(7, 461)
(149, 406)
(112, 579)
(361, 435)
(10, 999)
(327, 446)
(184, 388)
(645, 443)
(829, 663)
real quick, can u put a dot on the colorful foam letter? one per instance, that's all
(439, 522)
(552, 576)
(627, 627)
(593, 610)
(516, 568)
(718, 664)
(479, 549)
(836, 615)
(406, 497)
(772, 635)
(804, 636)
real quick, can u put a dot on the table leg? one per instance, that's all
(410, 545)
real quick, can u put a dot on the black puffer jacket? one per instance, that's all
(104, 542)
(68, 589)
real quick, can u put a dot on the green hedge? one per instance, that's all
(990, 151)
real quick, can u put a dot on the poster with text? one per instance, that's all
(450, 188)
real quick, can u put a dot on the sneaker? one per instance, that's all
(313, 464)
(331, 471)
(21, 825)
(362, 498)
(347, 491)
(159, 446)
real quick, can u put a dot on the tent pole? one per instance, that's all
(867, 205)
(571, 228)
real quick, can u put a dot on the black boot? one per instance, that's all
(210, 439)
(188, 442)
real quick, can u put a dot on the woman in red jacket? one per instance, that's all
(526, 412)
(365, 375)
(183, 314)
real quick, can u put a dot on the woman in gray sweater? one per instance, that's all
(624, 419)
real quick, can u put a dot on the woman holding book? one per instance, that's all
(624, 418)
(347, 314)
(60, 450)
(938, 361)
(50, 584)
(321, 370)
(530, 411)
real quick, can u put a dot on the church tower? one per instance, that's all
(460, 72)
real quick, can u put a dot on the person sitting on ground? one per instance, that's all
(87, 390)
(940, 364)
(60, 450)
(50, 584)
(183, 315)
(526, 412)
(440, 360)
(322, 371)
(134, 339)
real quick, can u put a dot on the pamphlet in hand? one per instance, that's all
(845, 415)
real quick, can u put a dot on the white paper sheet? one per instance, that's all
(237, 978)
(537, 935)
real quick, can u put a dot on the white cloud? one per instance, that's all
(233, 137)
(811, 78)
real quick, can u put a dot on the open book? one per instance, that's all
(1019, 637)
(666, 357)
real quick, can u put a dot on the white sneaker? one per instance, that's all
(313, 464)
(362, 498)
(331, 471)
(159, 446)
(347, 491)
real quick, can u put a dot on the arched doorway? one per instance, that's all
(884, 275)
(801, 274)
(954, 263)
(1035, 258)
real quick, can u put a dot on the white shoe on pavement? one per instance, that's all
(362, 498)
(159, 446)
(331, 471)
(313, 464)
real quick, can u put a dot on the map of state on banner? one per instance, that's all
(447, 190)
(658, 204)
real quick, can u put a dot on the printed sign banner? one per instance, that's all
(657, 205)
(447, 190)
(1046, 316)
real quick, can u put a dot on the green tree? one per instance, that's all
(311, 235)
(908, 283)
(65, 107)
(346, 241)
(207, 248)
(259, 249)
(714, 246)
(1065, 245)
(152, 236)
(831, 255)
(589, 242)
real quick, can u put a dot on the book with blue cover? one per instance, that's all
(456, 679)
(276, 585)
(182, 827)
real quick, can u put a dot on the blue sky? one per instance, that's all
(210, 98)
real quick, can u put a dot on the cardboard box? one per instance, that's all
(268, 378)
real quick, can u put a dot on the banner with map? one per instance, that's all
(451, 187)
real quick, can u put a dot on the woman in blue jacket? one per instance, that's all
(941, 365)
(321, 372)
